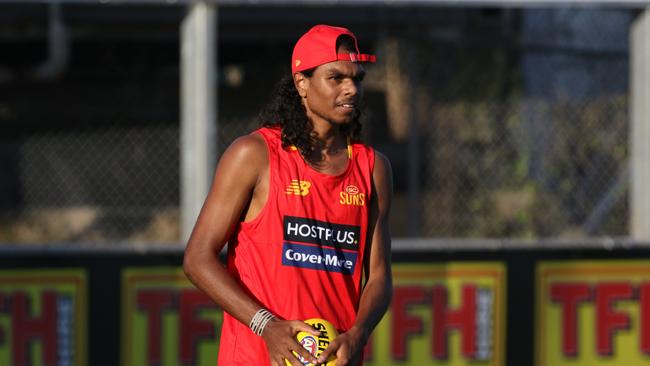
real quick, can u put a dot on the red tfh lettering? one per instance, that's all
(607, 319)
(644, 294)
(193, 329)
(570, 295)
(405, 324)
(26, 328)
(463, 319)
(154, 303)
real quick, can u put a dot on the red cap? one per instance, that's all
(318, 46)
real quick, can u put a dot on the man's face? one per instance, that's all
(333, 92)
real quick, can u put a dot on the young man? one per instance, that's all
(304, 208)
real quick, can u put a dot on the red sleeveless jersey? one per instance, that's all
(302, 256)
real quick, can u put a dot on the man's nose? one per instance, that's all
(351, 87)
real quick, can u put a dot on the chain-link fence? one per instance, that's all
(488, 175)
(498, 123)
(118, 184)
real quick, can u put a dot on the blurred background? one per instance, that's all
(517, 130)
(500, 121)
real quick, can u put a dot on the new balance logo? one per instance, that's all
(298, 187)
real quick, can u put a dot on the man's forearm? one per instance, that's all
(374, 302)
(208, 274)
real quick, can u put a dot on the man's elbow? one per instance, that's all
(189, 264)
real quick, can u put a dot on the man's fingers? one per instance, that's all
(304, 327)
(293, 360)
(300, 350)
(284, 345)
(333, 347)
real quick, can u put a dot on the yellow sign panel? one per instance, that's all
(441, 314)
(593, 313)
(450, 314)
(166, 321)
(43, 317)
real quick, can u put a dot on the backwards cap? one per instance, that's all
(318, 46)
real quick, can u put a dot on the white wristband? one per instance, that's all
(258, 323)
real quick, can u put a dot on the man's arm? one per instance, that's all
(239, 188)
(378, 288)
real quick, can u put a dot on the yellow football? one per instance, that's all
(317, 344)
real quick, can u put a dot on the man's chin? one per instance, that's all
(347, 118)
(343, 121)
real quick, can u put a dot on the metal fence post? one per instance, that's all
(640, 127)
(198, 109)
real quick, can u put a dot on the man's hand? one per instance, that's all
(348, 348)
(280, 338)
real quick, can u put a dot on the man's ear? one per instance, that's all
(301, 82)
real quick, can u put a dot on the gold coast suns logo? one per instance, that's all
(351, 196)
(298, 187)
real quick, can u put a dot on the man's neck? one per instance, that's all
(331, 144)
(330, 138)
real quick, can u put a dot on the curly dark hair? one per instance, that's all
(285, 111)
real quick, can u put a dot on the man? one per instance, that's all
(304, 207)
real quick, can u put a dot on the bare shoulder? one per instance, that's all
(382, 170)
(246, 152)
(382, 179)
(247, 147)
(243, 163)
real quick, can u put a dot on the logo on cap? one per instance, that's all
(298, 63)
